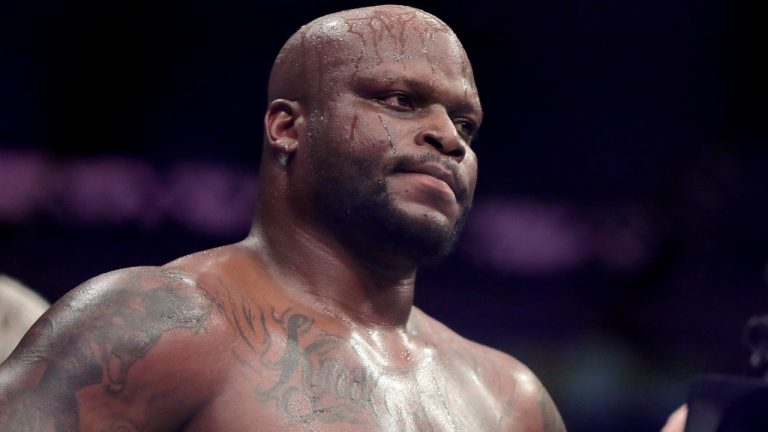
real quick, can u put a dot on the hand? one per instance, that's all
(676, 421)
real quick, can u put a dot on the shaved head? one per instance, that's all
(362, 38)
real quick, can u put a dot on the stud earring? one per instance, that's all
(282, 159)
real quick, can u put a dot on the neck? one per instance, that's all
(368, 289)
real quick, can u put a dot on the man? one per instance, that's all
(307, 324)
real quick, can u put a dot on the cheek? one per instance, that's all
(371, 131)
(357, 137)
(470, 164)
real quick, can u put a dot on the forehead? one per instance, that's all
(398, 41)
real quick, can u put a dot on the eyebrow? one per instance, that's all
(423, 88)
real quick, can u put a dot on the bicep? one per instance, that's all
(38, 384)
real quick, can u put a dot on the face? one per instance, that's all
(390, 133)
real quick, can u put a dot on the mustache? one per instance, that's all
(405, 162)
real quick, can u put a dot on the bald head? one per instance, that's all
(320, 53)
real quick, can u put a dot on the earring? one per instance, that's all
(284, 157)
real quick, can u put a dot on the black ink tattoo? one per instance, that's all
(308, 379)
(97, 338)
(312, 384)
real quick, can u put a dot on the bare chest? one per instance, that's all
(299, 378)
(333, 398)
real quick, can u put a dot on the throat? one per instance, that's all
(360, 304)
(324, 276)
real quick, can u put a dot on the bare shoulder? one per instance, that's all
(109, 353)
(525, 403)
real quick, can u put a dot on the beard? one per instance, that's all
(359, 209)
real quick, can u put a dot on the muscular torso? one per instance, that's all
(302, 374)
(211, 343)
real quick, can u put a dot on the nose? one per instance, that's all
(440, 132)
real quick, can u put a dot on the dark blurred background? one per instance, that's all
(618, 241)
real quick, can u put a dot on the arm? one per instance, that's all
(103, 357)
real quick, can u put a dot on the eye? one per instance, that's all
(465, 127)
(398, 100)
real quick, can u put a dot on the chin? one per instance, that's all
(424, 236)
(367, 215)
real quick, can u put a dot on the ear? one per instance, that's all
(281, 125)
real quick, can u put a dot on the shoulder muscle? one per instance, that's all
(80, 354)
(526, 401)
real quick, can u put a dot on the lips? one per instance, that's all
(434, 169)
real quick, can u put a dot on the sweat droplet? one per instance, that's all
(389, 136)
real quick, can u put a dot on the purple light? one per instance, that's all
(116, 190)
(535, 237)
(24, 182)
(525, 237)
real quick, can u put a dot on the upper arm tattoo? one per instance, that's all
(95, 338)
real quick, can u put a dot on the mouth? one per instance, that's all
(435, 171)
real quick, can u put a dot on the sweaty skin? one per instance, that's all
(308, 324)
